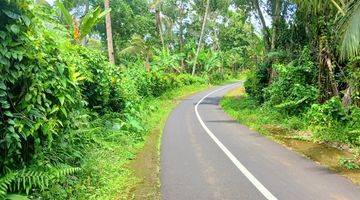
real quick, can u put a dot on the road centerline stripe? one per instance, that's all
(265, 192)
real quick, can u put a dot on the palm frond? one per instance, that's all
(65, 13)
(130, 50)
(350, 31)
(137, 46)
(320, 5)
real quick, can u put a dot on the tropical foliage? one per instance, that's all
(311, 69)
(67, 111)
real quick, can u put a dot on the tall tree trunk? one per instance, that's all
(201, 36)
(181, 33)
(346, 100)
(109, 33)
(274, 35)
(159, 26)
(328, 86)
(263, 24)
(275, 19)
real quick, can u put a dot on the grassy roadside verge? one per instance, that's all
(286, 131)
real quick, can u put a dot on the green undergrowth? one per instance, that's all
(270, 121)
(248, 112)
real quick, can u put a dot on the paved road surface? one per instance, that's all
(207, 155)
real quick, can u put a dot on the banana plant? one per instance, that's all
(79, 29)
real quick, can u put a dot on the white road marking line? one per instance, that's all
(267, 194)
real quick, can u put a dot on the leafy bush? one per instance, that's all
(256, 82)
(349, 163)
(288, 93)
(97, 71)
(332, 122)
(294, 88)
(354, 79)
(38, 88)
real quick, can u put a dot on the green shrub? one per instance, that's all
(349, 163)
(256, 82)
(38, 88)
(288, 93)
(294, 88)
(332, 122)
(98, 74)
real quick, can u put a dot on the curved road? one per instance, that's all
(207, 155)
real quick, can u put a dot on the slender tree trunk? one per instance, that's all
(263, 24)
(201, 36)
(328, 85)
(159, 26)
(276, 18)
(346, 100)
(333, 83)
(181, 33)
(109, 33)
(274, 35)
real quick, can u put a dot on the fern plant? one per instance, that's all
(27, 179)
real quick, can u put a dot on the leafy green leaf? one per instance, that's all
(2, 85)
(26, 20)
(2, 93)
(2, 34)
(8, 113)
(16, 197)
(11, 129)
(66, 14)
(15, 28)
(11, 14)
(5, 104)
(61, 99)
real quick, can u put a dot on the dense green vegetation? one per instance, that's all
(70, 120)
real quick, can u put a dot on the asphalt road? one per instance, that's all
(207, 155)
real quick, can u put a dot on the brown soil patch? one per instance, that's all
(275, 129)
